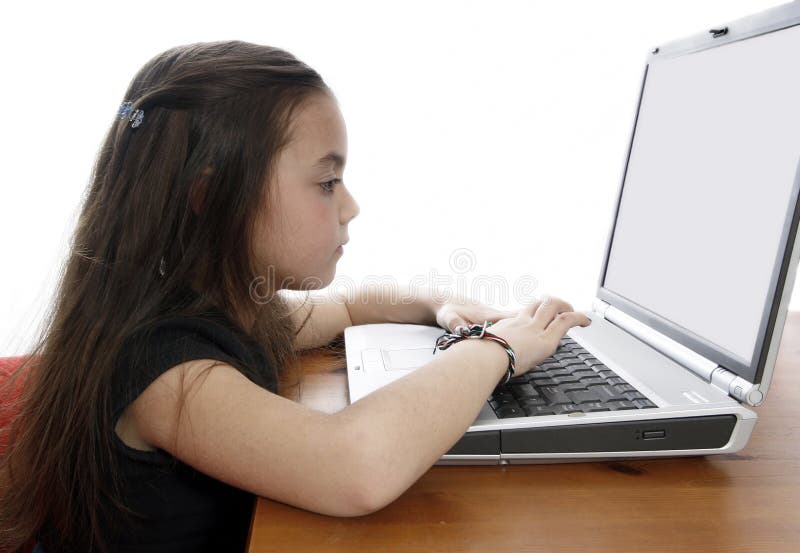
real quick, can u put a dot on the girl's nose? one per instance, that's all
(351, 208)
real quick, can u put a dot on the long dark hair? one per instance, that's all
(216, 116)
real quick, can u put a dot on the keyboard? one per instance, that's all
(571, 380)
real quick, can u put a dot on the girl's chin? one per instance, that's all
(316, 282)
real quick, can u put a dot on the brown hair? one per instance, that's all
(216, 116)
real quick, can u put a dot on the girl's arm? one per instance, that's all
(404, 427)
(334, 311)
(348, 463)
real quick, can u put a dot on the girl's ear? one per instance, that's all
(197, 192)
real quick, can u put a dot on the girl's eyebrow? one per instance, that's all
(331, 157)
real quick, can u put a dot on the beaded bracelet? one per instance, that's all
(477, 331)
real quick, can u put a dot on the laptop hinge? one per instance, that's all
(706, 369)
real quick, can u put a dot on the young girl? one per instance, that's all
(151, 414)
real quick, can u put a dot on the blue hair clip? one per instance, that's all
(134, 116)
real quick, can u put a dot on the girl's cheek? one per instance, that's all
(323, 208)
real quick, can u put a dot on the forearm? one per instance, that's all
(401, 429)
(373, 304)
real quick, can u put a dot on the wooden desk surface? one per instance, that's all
(749, 501)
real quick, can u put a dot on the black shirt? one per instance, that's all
(183, 510)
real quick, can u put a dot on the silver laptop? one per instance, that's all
(698, 271)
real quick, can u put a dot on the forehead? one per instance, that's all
(317, 129)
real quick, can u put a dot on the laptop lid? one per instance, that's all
(702, 247)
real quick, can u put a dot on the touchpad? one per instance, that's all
(407, 358)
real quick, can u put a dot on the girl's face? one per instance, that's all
(307, 217)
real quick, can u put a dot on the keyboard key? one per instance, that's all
(634, 395)
(593, 362)
(620, 405)
(593, 380)
(533, 401)
(507, 411)
(574, 386)
(502, 394)
(622, 387)
(584, 372)
(555, 373)
(553, 395)
(593, 407)
(544, 382)
(524, 390)
(644, 403)
(608, 393)
(564, 408)
(540, 410)
(568, 379)
(573, 363)
(584, 396)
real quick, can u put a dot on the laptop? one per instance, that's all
(694, 287)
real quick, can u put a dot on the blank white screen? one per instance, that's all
(707, 187)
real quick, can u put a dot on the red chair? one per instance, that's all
(8, 366)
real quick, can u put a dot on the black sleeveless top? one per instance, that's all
(180, 508)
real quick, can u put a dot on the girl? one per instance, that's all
(152, 413)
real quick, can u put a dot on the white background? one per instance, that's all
(498, 127)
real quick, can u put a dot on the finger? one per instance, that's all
(530, 309)
(562, 322)
(495, 315)
(545, 299)
(455, 322)
(548, 311)
(566, 304)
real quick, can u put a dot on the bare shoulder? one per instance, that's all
(210, 416)
(152, 410)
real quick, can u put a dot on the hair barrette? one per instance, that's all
(134, 116)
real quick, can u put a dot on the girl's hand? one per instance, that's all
(464, 313)
(536, 330)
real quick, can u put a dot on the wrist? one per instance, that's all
(480, 332)
(492, 356)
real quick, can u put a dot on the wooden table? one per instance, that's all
(749, 501)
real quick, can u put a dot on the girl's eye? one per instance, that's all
(328, 186)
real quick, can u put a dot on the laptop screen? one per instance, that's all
(708, 192)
